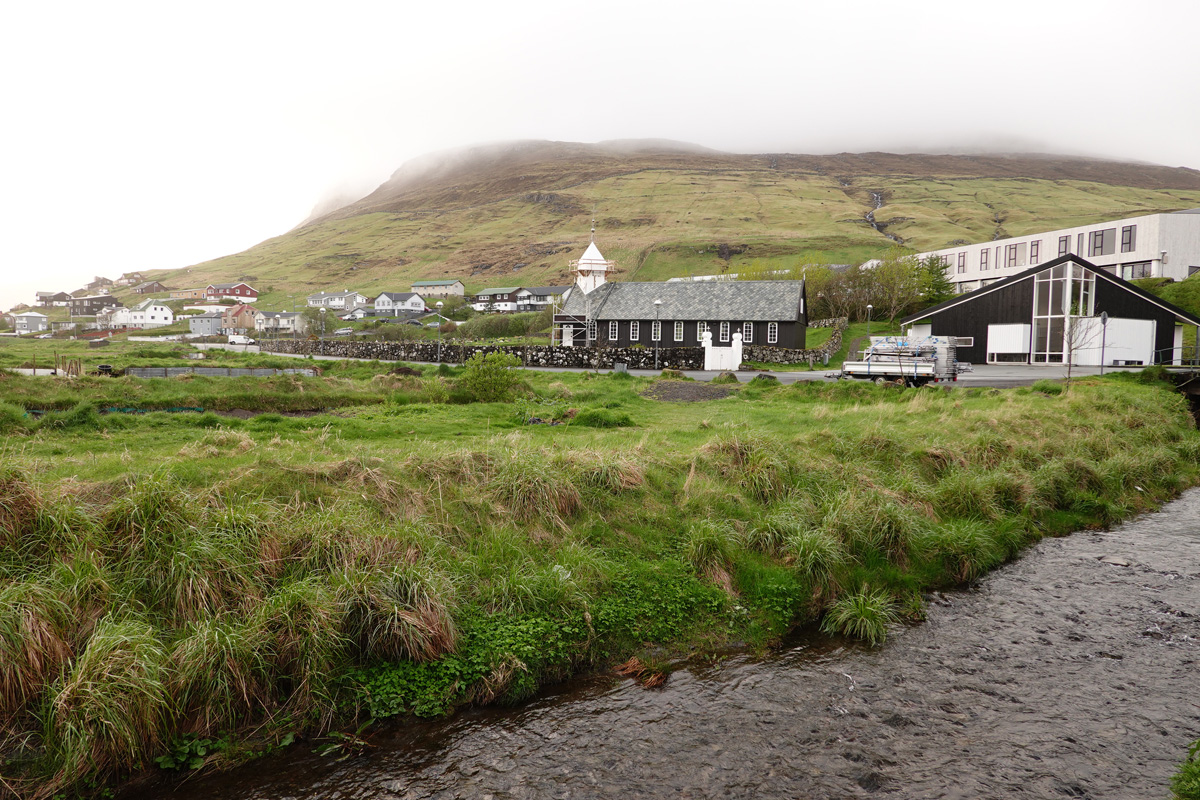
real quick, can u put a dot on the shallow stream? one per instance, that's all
(1060, 675)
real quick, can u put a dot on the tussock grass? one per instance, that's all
(111, 708)
(219, 674)
(756, 463)
(35, 643)
(19, 506)
(865, 614)
(968, 547)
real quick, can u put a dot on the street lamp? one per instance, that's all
(322, 322)
(438, 306)
(657, 329)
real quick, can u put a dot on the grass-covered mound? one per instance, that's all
(170, 580)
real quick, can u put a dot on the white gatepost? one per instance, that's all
(568, 336)
(721, 358)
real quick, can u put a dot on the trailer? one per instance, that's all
(912, 361)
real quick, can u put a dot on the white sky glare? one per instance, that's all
(147, 135)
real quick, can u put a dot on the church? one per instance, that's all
(603, 313)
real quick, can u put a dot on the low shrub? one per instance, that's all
(602, 418)
(490, 378)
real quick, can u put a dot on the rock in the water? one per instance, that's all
(1116, 561)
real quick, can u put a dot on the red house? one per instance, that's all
(239, 291)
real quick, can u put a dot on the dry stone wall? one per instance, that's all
(545, 356)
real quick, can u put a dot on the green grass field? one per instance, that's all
(169, 578)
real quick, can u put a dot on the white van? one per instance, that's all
(235, 339)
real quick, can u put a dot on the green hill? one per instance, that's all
(515, 213)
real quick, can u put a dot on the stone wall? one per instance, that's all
(545, 356)
(531, 355)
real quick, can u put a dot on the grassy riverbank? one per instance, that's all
(171, 579)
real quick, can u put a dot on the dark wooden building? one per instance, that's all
(677, 313)
(1064, 310)
(91, 305)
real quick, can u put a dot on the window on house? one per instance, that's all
(724, 331)
(635, 331)
(1079, 244)
(747, 332)
(772, 332)
(701, 328)
(679, 331)
(983, 260)
(962, 262)
(1128, 238)
(591, 330)
(1140, 269)
(1102, 243)
(612, 331)
(1035, 251)
(655, 331)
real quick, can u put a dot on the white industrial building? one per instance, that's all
(1150, 246)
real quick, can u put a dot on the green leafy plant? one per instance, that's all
(190, 752)
(345, 745)
(865, 614)
(490, 378)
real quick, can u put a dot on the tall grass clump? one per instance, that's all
(19, 506)
(869, 520)
(966, 548)
(815, 554)
(864, 614)
(709, 547)
(218, 676)
(35, 643)
(110, 710)
(405, 612)
(531, 488)
(755, 462)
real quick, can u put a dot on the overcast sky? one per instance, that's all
(143, 135)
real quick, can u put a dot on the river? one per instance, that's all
(1060, 675)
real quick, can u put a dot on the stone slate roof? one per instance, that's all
(397, 297)
(745, 301)
(500, 290)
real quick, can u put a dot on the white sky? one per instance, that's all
(144, 135)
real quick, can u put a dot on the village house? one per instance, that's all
(98, 282)
(238, 291)
(394, 304)
(30, 322)
(90, 305)
(49, 299)
(113, 317)
(206, 324)
(149, 287)
(151, 313)
(598, 312)
(450, 288)
(500, 299)
(238, 319)
(130, 279)
(1067, 309)
(535, 298)
(188, 294)
(344, 300)
(281, 323)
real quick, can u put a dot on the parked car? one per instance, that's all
(343, 332)
(235, 339)
(46, 336)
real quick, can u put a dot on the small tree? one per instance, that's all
(895, 283)
(933, 285)
(490, 378)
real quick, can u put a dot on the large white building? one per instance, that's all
(1151, 246)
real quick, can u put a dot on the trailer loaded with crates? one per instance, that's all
(911, 361)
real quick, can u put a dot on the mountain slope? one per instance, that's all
(515, 213)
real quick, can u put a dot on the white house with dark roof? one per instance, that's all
(150, 314)
(535, 298)
(605, 313)
(343, 300)
(394, 304)
(503, 298)
(281, 323)
(450, 288)
(1148, 246)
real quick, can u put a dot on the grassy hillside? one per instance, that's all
(516, 214)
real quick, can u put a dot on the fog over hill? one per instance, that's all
(516, 212)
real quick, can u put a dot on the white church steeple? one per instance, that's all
(591, 269)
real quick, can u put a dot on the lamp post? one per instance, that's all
(438, 306)
(869, 307)
(657, 329)
(322, 322)
(1103, 337)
